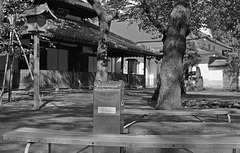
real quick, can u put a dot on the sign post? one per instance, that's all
(108, 111)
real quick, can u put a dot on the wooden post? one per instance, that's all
(10, 78)
(36, 71)
(144, 70)
(122, 67)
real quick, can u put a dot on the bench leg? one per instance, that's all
(187, 150)
(49, 148)
(83, 149)
(234, 151)
(198, 118)
(229, 118)
(28, 147)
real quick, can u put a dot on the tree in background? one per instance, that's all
(169, 20)
(232, 69)
(172, 21)
(10, 31)
(104, 18)
(225, 25)
(233, 63)
(191, 58)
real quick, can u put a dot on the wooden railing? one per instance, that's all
(63, 79)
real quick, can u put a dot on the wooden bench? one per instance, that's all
(186, 112)
(33, 135)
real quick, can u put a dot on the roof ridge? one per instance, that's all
(114, 34)
(77, 2)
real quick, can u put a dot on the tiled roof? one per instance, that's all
(69, 7)
(85, 32)
(77, 2)
(218, 63)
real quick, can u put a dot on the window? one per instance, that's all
(84, 63)
(62, 60)
(52, 59)
(92, 64)
(57, 59)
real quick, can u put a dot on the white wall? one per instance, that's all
(151, 73)
(118, 65)
(216, 78)
(211, 78)
(140, 66)
(205, 74)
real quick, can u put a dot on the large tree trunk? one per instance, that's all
(174, 46)
(102, 61)
(104, 24)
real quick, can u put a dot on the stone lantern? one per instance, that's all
(37, 18)
(36, 22)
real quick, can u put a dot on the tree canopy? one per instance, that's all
(155, 16)
(221, 16)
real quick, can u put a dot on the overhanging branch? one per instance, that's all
(101, 12)
(151, 18)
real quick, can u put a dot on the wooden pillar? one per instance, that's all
(36, 71)
(144, 70)
(122, 66)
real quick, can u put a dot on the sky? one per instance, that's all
(133, 33)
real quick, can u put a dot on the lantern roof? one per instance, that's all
(38, 10)
(65, 8)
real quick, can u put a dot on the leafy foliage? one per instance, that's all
(12, 22)
(233, 65)
(191, 57)
(218, 15)
(232, 68)
(221, 16)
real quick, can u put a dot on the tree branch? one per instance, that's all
(1, 13)
(153, 20)
(101, 12)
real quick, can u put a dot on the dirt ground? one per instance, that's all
(72, 110)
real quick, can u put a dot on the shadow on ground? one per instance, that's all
(72, 110)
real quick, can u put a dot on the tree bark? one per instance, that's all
(174, 46)
(237, 84)
(104, 24)
(156, 91)
(1, 13)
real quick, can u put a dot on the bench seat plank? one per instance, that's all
(122, 140)
(186, 112)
